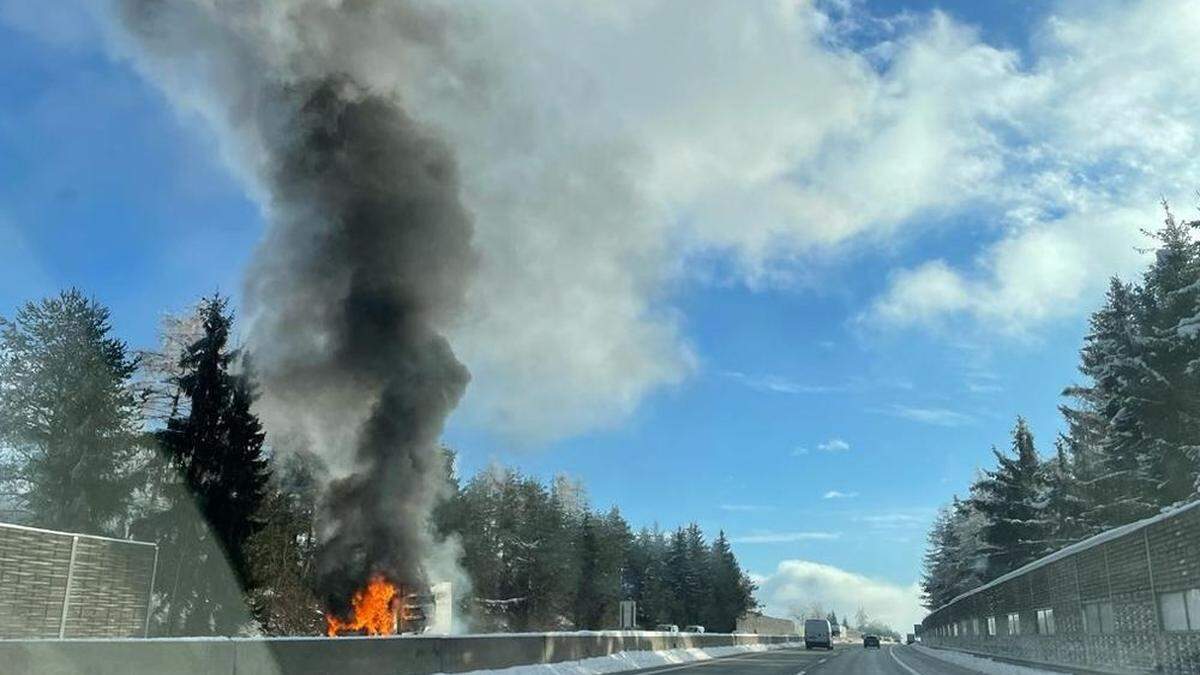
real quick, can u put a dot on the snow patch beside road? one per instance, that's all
(982, 664)
(623, 661)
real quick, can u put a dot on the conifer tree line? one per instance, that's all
(164, 445)
(1131, 446)
(539, 558)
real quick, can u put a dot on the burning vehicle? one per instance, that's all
(383, 608)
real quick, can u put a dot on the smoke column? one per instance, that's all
(366, 259)
(368, 247)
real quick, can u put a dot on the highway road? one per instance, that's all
(843, 660)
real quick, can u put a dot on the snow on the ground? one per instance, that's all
(983, 665)
(622, 661)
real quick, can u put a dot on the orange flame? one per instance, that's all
(374, 610)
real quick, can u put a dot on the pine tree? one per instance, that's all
(650, 578)
(1065, 499)
(603, 549)
(681, 581)
(697, 590)
(1109, 433)
(617, 540)
(1166, 389)
(956, 558)
(1011, 499)
(68, 418)
(544, 557)
(935, 576)
(543, 560)
(217, 447)
(589, 599)
(448, 513)
(281, 553)
(732, 589)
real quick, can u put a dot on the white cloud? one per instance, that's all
(603, 149)
(1034, 274)
(784, 537)
(837, 494)
(833, 445)
(779, 384)
(1108, 123)
(745, 508)
(894, 521)
(941, 417)
(800, 583)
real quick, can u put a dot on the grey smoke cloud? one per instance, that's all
(366, 259)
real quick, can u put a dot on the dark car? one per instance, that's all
(871, 641)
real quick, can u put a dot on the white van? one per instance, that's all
(817, 633)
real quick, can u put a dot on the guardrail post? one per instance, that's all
(62, 621)
(1087, 648)
(1158, 655)
(150, 598)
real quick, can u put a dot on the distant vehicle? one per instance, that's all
(910, 638)
(836, 629)
(693, 629)
(818, 633)
(667, 628)
(870, 641)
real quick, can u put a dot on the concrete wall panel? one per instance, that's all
(325, 656)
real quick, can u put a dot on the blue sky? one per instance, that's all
(817, 404)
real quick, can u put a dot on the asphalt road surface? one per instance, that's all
(843, 660)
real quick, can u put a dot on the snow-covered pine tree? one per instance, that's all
(956, 560)
(935, 575)
(1166, 386)
(1065, 499)
(1110, 432)
(1012, 499)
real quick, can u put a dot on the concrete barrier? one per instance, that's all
(405, 655)
(117, 657)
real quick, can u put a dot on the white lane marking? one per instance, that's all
(709, 662)
(693, 664)
(902, 664)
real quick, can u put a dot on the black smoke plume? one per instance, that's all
(368, 251)
(365, 261)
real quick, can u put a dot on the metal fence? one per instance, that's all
(1126, 600)
(60, 584)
